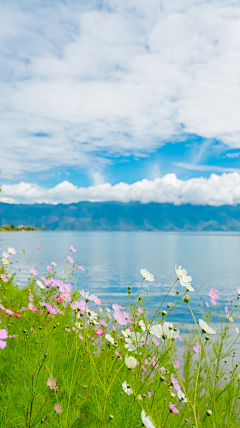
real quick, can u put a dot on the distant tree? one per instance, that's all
(12, 227)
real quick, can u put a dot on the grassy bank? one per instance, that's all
(69, 360)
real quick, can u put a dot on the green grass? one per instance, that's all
(89, 374)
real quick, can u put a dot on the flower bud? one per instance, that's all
(164, 313)
(186, 299)
(209, 412)
(130, 362)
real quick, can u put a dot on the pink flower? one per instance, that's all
(119, 317)
(179, 338)
(103, 323)
(173, 409)
(80, 337)
(226, 309)
(58, 408)
(155, 341)
(206, 304)
(34, 272)
(116, 307)
(67, 329)
(70, 260)
(118, 355)
(13, 336)
(213, 294)
(4, 296)
(100, 332)
(39, 247)
(114, 328)
(175, 383)
(49, 268)
(52, 383)
(3, 335)
(3, 277)
(238, 290)
(214, 302)
(149, 395)
(50, 309)
(196, 348)
(58, 297)
(31, 329)
(72, 249)
(176, 364)
(80, 267)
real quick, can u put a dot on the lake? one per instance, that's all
(114, 260)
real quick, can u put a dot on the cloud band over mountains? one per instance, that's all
(216, 190)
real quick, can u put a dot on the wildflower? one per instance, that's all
(12, 250)
(230, 319)
(175, 383)
(114, 328)
(173, 409)
(3, 277)
(176, 364)
(66, 296)
(179, 338)
(214, 302)
(196, 348)
(58, 408)
(39, 247)
(54, 264)
(142, 325)
(4, 261)
(49, 268)
(238, 290)
(147, 275)
(40, 284)
(3, 335)
(116, 307)
(206, 304)
(34, 272)
(52, 383)
(146, 420)
(205, 327)
(78, 325)
(182, 397)
(103, 323)
(134, 342)
(237, 330)
(155, 341)
(165, 330)
(209, 412)
(118, 355)
(110, 339)
(100, 332)
(119, 317)
(213, 294)
(126, 388)
(70, 260)
(126, 332)
(72, 249)
(185, 280)
(58, 297)
(13, 336)
(80, 267)
(130, 362)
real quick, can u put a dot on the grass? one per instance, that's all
(89, 370)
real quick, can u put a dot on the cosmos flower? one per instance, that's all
(126, 388)
(213, 294)
(49, 268)
(4, 261)
(206, 304)
(80, 267)
(134, 342)
(58, 408)
(175, 383)
(72, 249)
(54, 264)
(119, 317)
(146, 420)
(70, 260)
(196, 348)
(205, 327)
(3, 335)
(173, 409)
(185, 280)
(110, 339)
(147, 275)
(165, 330)
(142, 325)
(52, 383)
(39, 247)
(11, 250)
(40, 284)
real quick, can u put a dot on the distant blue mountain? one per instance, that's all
(120, 216)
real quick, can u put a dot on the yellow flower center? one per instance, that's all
(212, 294)
(134, 342)
(180, 276)
(118, 319)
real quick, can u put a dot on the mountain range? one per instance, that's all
(122, 216)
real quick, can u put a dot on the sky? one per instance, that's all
(129, 100)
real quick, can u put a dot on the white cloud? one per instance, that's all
(216, 190)
(124, 79)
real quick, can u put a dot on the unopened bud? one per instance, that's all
(209, 412)
(186, 299)
(130, 362)
(164, 313)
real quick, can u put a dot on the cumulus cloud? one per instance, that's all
(79, 81)
(216, 190)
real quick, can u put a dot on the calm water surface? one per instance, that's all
(114, 260)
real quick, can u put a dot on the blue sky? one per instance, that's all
(98, 93)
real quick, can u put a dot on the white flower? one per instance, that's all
(205, 327)
(139, 397)
(78, 325)
(110, 339)
(126, 388)
(4, 261)
(12, 250)
(237, 330)
(134, 342)
(126, 332)
(40, 284)
(142, 325)
(165, 330)
(146, 420)
(230, 319)
(185, 280)
(5, 255)
(54, 264)
(182, 396)
(92, 317)
(147, 275)
(130, 362)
